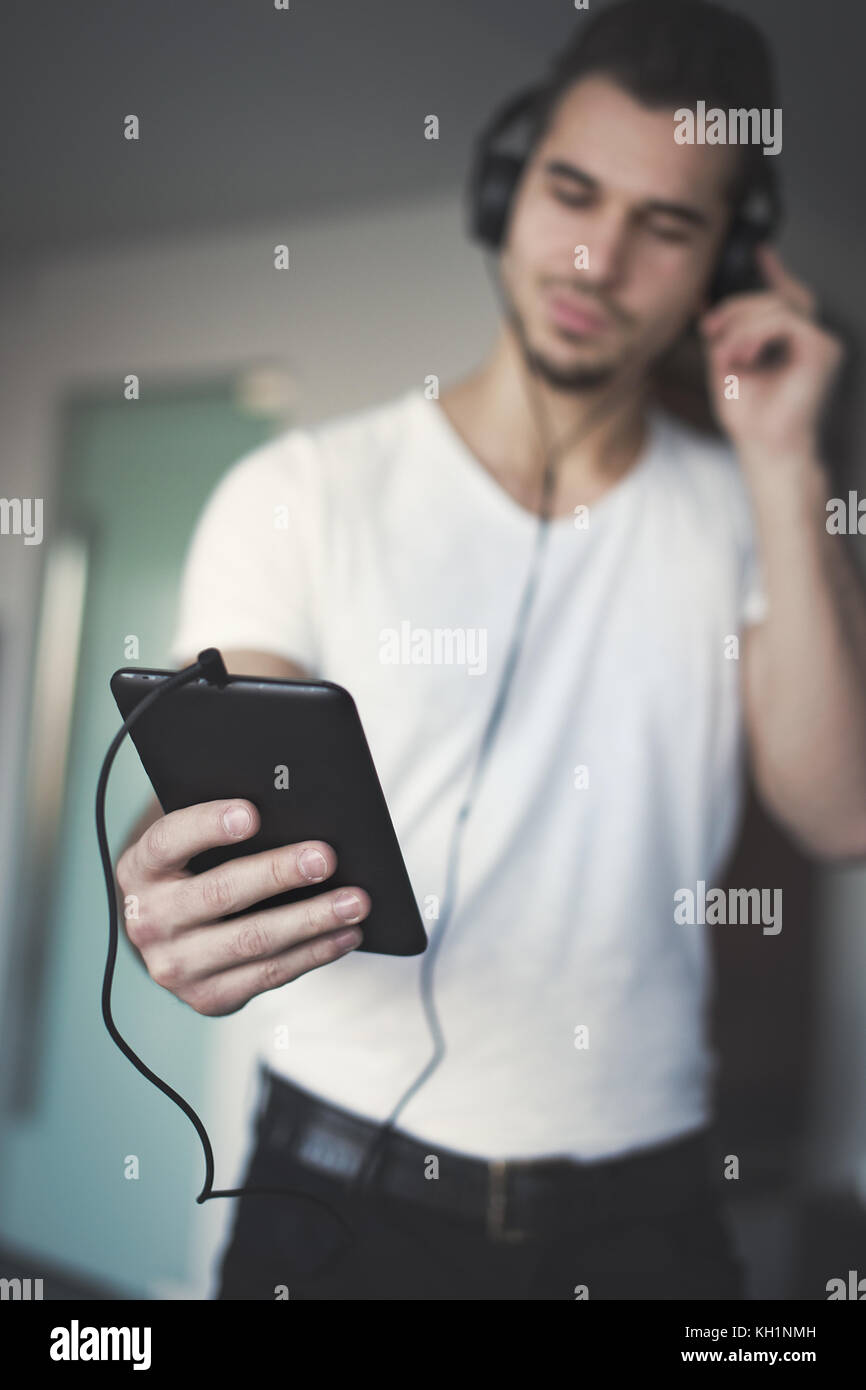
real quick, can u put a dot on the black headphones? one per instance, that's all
(495, 173)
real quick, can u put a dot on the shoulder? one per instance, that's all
(703, 468)
(371, 427)
(708, 458)
(306, 459)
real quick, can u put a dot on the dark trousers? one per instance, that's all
(330, 1241)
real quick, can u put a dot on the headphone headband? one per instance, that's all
(495, 174)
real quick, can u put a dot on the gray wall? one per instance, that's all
(172, 276)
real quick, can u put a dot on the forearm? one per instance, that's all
(806, 671)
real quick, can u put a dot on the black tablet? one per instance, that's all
(298, 751)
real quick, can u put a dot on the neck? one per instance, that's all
(508, 416)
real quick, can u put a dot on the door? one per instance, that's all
(134, 476)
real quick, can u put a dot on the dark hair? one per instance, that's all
(671, 53)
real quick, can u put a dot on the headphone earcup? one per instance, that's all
(491, 191)
(737, 270)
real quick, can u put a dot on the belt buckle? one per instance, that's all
(323, 1143)
(497, 1203)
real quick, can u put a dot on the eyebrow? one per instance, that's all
(559, 169)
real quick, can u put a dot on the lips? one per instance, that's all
(570, 314)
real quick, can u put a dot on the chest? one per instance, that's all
(634, 623)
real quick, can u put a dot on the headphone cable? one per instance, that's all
(552, 455)
(209, 666)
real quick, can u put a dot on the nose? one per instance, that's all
(607, 243)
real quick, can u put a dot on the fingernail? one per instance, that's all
(348, 906)
(237, 820)
(347, 939)
(312, 865)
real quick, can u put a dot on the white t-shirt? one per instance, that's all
(572, 1004)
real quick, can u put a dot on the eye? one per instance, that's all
(570, 199)
(667, 233)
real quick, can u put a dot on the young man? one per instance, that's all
(562, 1147)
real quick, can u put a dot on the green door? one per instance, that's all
(134, 477)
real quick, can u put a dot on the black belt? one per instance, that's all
(513, 1199)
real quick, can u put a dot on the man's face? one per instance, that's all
(608, 175)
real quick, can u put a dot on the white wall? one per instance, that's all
(374, 301)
